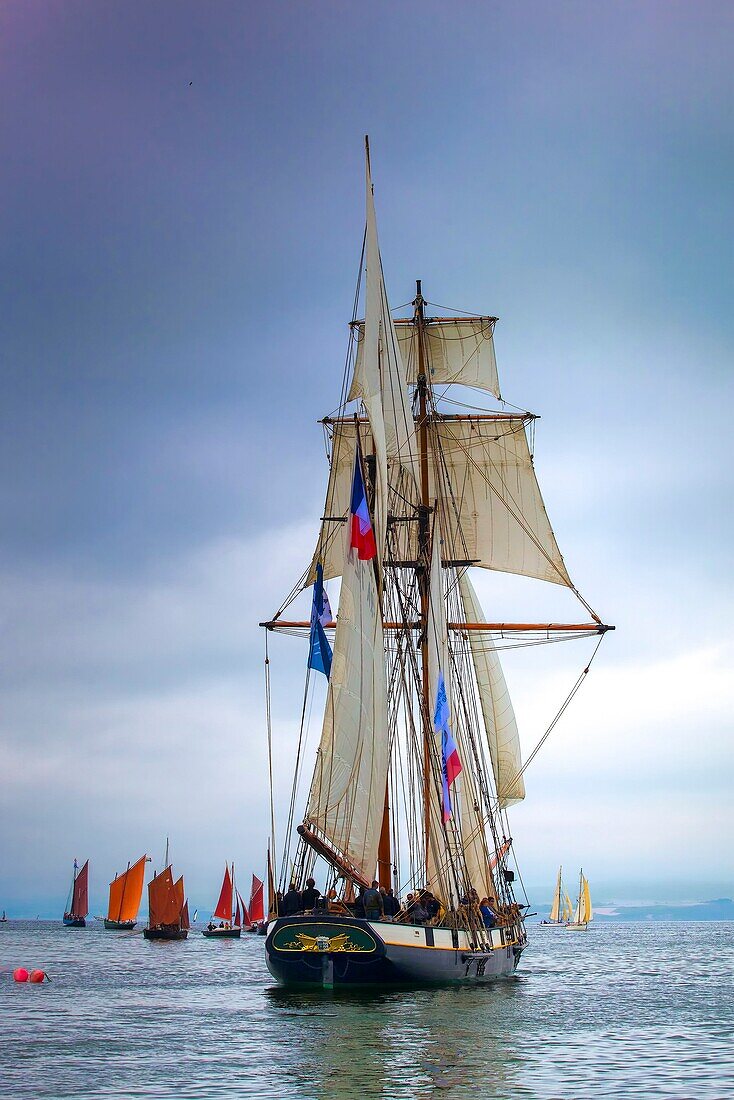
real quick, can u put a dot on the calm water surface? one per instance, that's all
(627, 1010)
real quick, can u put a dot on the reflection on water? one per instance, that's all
(629, 1011)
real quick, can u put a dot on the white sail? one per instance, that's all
(499, 717)
(466, 808)
(492, 511)
(460, 351)
(348, 790)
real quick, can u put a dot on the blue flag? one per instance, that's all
(450, 762)
(319, 650)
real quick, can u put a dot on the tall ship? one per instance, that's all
(126, 891)
(77, 903)
(404, 824)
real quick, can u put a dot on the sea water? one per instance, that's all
(623, 1010)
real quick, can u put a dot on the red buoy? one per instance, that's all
(37, 976)
(21, 974)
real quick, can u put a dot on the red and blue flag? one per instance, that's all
(361, 531)
(450, 762)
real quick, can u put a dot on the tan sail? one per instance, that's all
(459, 351)
(466, 837)
(348, 789)
(567, 911)
(583, 913)
(496, 519)
(588, 910)
(497, 711)
(126, 892)
(555, 909)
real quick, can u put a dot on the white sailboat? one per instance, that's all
(419, 757)
(561, 909)
(583, 913)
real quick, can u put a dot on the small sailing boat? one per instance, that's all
(77, 905)
(560, 910)
(419, 740)
(126, 890)
(583, 912)
(257, 907)
(168, 909)
(3, 918)
(230, 911)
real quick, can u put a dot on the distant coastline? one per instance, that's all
(716, 909)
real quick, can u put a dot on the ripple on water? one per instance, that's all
(622, 1011)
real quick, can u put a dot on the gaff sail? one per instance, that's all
(125, 893)
(223, 910)
(257, 911)
(164, 904)
(80, 894)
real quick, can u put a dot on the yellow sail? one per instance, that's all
(567, 910)
(588, 911)
(555, 909)
(126, 892)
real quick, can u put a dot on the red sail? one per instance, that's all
(246, 922)
(223, 910)
(257, 913)
(80, 900)
(164, 902)
(185, 922)
(237, 922)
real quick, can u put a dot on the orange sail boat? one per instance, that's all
(168, 909)
(125, 893)
(77, 905)
(231, 911)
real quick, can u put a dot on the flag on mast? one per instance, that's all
(361, 532)
(450, 762)
(319, 650)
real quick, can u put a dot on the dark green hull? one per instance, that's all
(119, 925)
(221, 933)
(75, 922)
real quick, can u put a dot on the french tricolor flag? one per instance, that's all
(450, 762)
(361, 532)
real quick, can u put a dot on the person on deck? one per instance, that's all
(292, 902)
(372, 902)
(310, 895)
(391, 904)
(416, 911)
(489, 917)
(431, 904)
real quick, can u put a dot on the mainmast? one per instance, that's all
(423, 556)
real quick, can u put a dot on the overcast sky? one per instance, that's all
(181, 215)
